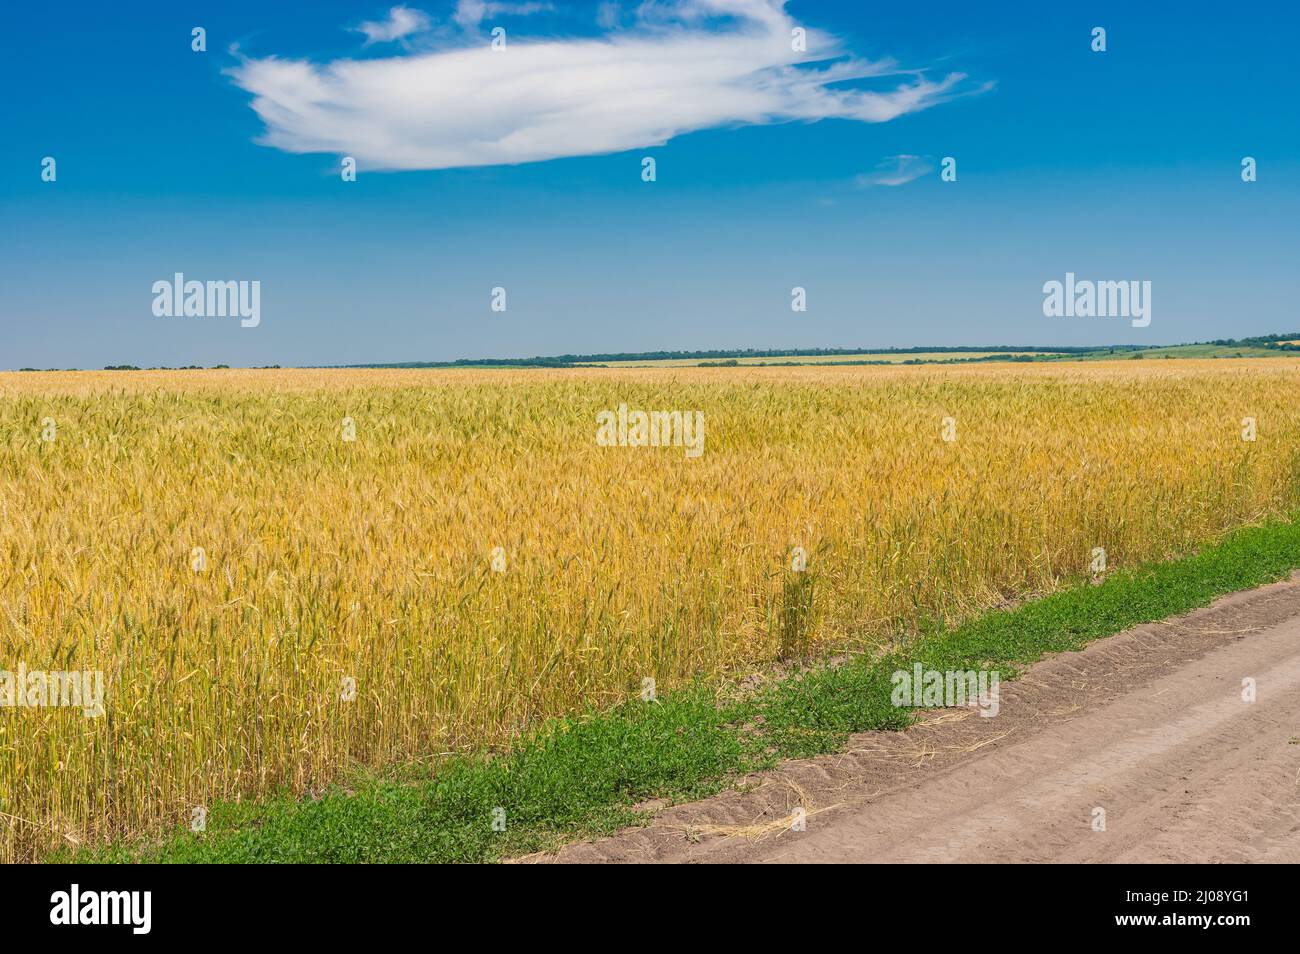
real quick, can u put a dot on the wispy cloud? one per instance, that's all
(401, 21)
(609, 14)
(470, 13)
(895, 171)
(684, 66)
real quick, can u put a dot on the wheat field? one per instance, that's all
(274, 607)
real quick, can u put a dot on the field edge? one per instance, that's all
(588, 775)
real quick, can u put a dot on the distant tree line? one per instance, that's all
(730, 358)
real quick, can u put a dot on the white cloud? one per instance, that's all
(895, 171)
(608, 14)
(470, 13)
(700, 64)
(402, 21)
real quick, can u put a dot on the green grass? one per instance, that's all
(1181, 351)
(583, 776)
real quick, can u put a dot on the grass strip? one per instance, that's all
(583, 776)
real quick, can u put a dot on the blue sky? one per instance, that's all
(1117, 165)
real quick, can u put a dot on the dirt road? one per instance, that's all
(1149, 727)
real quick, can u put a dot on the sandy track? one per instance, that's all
(1149, 725)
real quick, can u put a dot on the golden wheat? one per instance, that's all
(328, 563)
